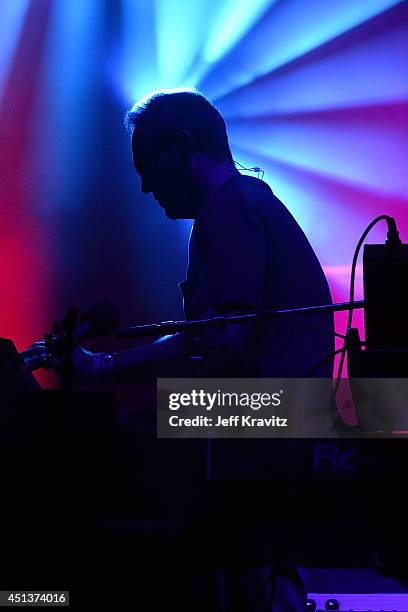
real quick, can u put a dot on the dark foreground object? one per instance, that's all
(120, 518)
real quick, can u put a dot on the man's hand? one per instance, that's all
(87, 365)
(35, 356)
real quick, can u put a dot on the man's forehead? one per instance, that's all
(142, 140)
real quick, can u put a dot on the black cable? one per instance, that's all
(311, 323)
(392, 234)
(254, 169)
(322, 361)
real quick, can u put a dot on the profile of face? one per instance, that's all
(166, 170)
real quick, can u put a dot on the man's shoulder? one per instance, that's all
(240, 200)
(242, 189)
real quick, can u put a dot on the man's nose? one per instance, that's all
(146, 186)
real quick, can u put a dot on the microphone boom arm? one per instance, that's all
(172, 327)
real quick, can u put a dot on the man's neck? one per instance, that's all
(212, 175)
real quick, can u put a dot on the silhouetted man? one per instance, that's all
(246, 252)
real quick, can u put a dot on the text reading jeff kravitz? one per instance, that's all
(195, 408)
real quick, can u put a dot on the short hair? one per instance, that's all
(184, 108)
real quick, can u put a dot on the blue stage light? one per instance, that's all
(12, 17)
(289, 30)
(181, 30)
(135, 66)
(364, 71)
(234, 19)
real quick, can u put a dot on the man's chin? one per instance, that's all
(174, 213)
(169, 211)
(171, 214)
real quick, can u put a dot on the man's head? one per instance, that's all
(180, 147)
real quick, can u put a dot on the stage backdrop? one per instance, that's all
(313, 92)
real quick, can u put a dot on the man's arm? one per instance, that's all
(215, 351)
(163, 358)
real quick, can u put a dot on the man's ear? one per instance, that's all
(185, 144)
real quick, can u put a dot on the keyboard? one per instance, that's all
(373, 602)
